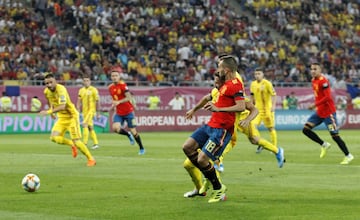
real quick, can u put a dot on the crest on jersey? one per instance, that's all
(62, 98)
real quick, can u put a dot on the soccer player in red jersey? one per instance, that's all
(325, 113)
(124, 110)
(213, 137)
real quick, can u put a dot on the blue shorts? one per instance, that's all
(212, 140)
(330, 122)
(129, 119)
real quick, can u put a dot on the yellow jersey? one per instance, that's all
(89, 97)
(5, 102)
(243, 114)
(35, 105)
(59, 97)
(153, 102)
(262, 93)
(356, 103)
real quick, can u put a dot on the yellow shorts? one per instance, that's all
(267, 118)
(250, 131)
(89, 118)
(72, 125)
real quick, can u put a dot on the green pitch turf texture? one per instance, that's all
(124, 185)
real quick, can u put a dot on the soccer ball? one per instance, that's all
(31, 182)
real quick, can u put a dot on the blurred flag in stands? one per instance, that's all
(352, 90)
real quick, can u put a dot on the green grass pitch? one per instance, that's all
(124, 185)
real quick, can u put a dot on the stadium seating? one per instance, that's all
(155, 42)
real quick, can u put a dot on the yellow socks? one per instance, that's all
(273, 137)
(82, 147)
(267, 145)
(194, 173)
(85, 135)
(94, 137)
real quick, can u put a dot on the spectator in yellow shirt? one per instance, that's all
(153, 101)
(35, 104)
(5, 102)
(95, 56)
(132, 67)
(97, 38)
(356, 101)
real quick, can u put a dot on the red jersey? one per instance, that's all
(231, 91)
(117, 92)
(323, 100)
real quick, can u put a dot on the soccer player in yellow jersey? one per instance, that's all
(263, 96)
(88, 102)
(251, 131)
(68, 118)
(253, 134)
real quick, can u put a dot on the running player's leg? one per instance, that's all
(196, 178)
(75, 134)
(131, 122)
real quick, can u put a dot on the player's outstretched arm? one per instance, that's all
(189, 114)
(238, 107)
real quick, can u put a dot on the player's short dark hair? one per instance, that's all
(259, 69)
(114, 70)
(227, 56)
(229, 61)
(49, 75)
(86, 76)
(315, 63)
(222, 56)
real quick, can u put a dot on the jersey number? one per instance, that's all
(210, 146)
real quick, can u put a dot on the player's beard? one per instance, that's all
(52, 89)
(222, 75)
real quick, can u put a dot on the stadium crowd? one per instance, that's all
(166, 42)
(326, 30)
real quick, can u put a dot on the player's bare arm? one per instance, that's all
(98, 109)
(253, 113)
(311, 107)
(189, 114)
(252, 99)
(238, 107)
(273, 100)
(78, 104)
(52, 111)
(126, 99)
